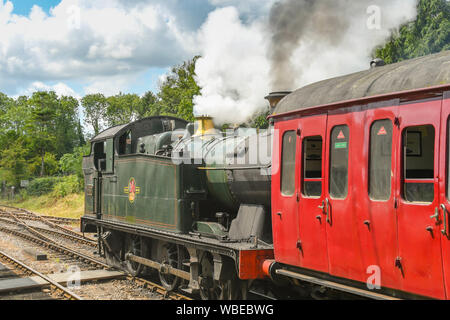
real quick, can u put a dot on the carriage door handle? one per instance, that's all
(328, 210)
(322, 207)
(436, 215)
(444, 232)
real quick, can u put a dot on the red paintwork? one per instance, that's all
(419, 250)
(312, 229)
(397, 228)
(284, 218)
(251, 263)
(443, 178)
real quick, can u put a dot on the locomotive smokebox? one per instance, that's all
(275, 97)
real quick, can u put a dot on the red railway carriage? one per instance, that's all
(361, 183)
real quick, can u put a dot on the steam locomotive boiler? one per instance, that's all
(183, 200)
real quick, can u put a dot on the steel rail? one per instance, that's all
(66, 292)
(158, 289)
(67, 233)
(56, 220)
(56, 247)
(78, 239)
(81, 240)
(49, 243)
(43, 220)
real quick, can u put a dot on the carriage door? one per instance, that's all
(378, 217)
(419, 231)
(444, 190)
(284, 192)
(312, 222)
(339, 207)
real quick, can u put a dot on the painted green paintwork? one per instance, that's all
(212, 228)
(162, 196)
(109, 155)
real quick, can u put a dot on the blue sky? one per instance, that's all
(23, 7)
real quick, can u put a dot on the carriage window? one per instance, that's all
(288, 163)
(339, 162)
(312, 166)
(418, 159)
(380, 160)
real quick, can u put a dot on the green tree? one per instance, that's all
(95, 106)
(66, 125)
(429, 33)
(122, 108)
(149, 106)
(71, 163)
(178, 90)
(41, 126)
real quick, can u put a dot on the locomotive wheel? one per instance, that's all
(169, 255)
(211, 289)
(133, 245)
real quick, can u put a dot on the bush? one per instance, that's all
(67, 185)
(41, 186)
(57, 187)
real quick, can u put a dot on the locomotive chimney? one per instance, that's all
(275, 97)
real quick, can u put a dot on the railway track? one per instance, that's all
(17, 217)
(79, 239)
(55, 286)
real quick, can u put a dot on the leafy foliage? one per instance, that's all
(71, 163)
(42, 186)
(429, 33)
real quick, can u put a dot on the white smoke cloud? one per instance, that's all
(236, 70)
(233, 70)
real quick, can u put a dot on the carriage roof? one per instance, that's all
(424, 72)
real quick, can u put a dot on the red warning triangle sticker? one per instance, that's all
(382, 132)
(341, 135)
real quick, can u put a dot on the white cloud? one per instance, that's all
(61, 89)
(108, 40)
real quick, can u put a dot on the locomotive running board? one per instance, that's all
(335, 285)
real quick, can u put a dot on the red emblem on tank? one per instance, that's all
(132, 190)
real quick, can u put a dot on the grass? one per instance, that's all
(71, 206)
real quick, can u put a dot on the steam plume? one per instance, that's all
(297, 43)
